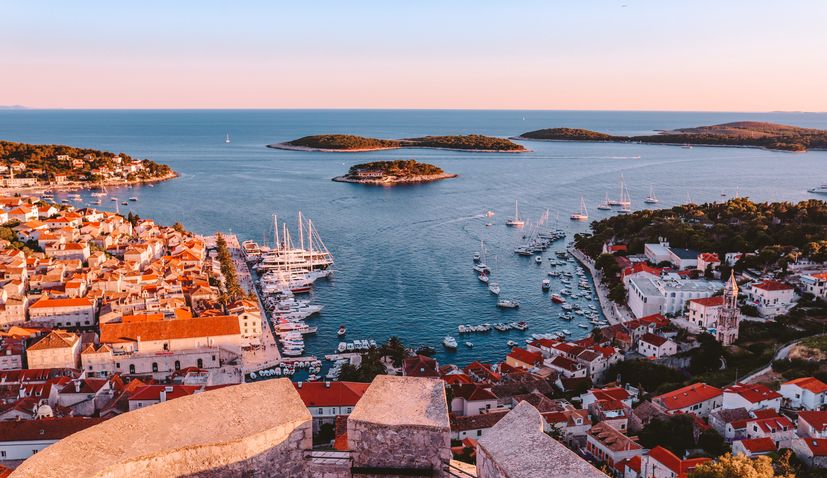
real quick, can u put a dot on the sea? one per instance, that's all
(404, 254)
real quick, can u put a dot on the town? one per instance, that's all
(703, 361)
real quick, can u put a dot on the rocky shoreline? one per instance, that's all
(393, 181)
(74, 186)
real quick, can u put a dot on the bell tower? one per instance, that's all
(730, 315)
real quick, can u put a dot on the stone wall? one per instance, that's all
(258, 429)
(401, 422)
(517, 447)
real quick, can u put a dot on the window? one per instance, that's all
(154, 366)
(321, 411)
(132, 368)
(177, 365)
(3, 454)
(117, 365)
(479, 432)
(200, 363)
(213, 358)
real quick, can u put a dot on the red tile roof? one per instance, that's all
(472, 391)
(524, 356)
(44, 428)
(331, 394)
(809, 383)
(214, 326)
(679, 467)
(653, 339)
(753, 392)
(153, 392)
(816, 419)
(610, 393)
(759, 445)
(420, 366)
(772, 285)
(709, 257)
(709, 301)
(818, 446)
(688, 396)
(46, 302)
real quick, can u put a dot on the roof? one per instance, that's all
(818, 446)
(153, 392)
(811, 384)
(816, 419)
(611, 438)
(169, 329)
(472, 391)
(709, 257)
(709, 301)
(610, 393)
(675, 464)
(330, 394)
(420, 366)
(773, 424)
(476, 422)
(759, 445)
(753, 392)
(688, 396)
(46, 302)
(684, 253)
(56, 339)
(44, 428)
(653, 339)
(772, 285)
(522, 355)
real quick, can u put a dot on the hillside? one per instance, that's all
(351, 143)
(393, 172)
(740, 133)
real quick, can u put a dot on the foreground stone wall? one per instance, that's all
(401, 422)
(517, 447)
(257, 429)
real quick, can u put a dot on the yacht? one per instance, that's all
(546, 284)
(133, 199)
(469, 344)
(605, 206)
(512, 343)
(449, 342)
(819, 190)
(483, 278)
(508, 304)
(515, 221)
(494, 287)
(557, 299)
(538, 260)
(342, 331)
(624, 195)
(583, 215)
(651, 198)
(227, 138)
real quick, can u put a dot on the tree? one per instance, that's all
(708, 356)
(395, 349)
(738, 466)
(676, 433)
(179, 227)
(712, 442)
(618, 294)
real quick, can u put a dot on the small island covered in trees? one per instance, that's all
(351, 143)
(388, 173)
(58, 166)
(742, 133)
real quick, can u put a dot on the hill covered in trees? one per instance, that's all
(345, 142)
(776, 233)
(740, 133)
(393, 172)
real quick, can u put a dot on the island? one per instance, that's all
(47, 166)
(353, 144)
(389, 173)
(740, 133)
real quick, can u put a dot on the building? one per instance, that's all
(704, 312)
(771, 297)
(649, 295)
(815, 284)
(707, 260)
(20, 439)
(678, 257)
(149, 395)
(607, 444)
(77, 312)
(777, 428)
(651, 345)
(58, 349)
(328, 400)
(811, 451)
(472, 399)
(474, 426)
(729, 315)
(751, 396)
(662, 463)
(521, 358)
(699, 399)
(753, 447)
(812, 424)
(808, 393)
(420, 366)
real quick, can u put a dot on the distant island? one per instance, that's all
(49, 166)
(388, 173)
(742, 133)
(352, 144)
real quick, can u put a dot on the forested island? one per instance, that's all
(351, 143)
(388, 173)
(25, 165)
(742, 133)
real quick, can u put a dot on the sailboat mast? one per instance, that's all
(310, 241)
(301, 231)
(275, 232)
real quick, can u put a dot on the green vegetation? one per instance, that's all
(779, 232)
(741, 133)
(232, 288)
(738, 466)
(676, 433)
(373, 361)
(398, 168)
(7, 233)
(647, 375)
(43, 157)
(345, 142)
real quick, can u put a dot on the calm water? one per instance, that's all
(403, 255)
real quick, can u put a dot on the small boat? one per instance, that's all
(605, 206)
(508, 304)
(567, 307)
(819, 190)
(113, 199)
(583, 215)
(449, 342)
(515, 221)
(583, 326)
(566, 332)
(546, 284)
(494, 288)
(512, 343)
(557, 299)
(483, 278)
(489, 213)
(521, 325)
(651, 198)
(538, 260)
(125, 203)
(687, 146)
(469, 344)
(342, 331)
(227, 138)
(133, 199)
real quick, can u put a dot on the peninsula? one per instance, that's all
(47, 166)
(742, 133)
(353, 144)
(389, 173)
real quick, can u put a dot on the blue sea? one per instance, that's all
(404, 255)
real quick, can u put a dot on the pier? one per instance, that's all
(613, 313)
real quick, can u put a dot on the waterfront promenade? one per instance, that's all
(613, 313)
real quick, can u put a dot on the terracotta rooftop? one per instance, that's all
(113, 332)
(753, 392)
(330, 394)
(812, 384)
(688, 396)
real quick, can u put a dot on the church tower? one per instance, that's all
(730, 315)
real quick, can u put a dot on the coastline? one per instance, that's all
(396, 182)
(290, 147)
(649, 143)
(88, 185)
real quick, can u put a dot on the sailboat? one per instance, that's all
(227, 138)
(515, 221)
(651, 198)
(624, 195)
(480, 266)
(583, 215)
(605, 206)
(627, 203)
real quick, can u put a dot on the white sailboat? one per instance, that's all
(583, 215)
(227, 138)
(515, 221)
(624, 195)
(605, 206)
(651, 198)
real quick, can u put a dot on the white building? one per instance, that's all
(77, 312)
(20, 439)
(650, 295)
(58, 349)
(808, 393)
(772, 297)
(815, 284)
(699, 399)
(751, 396)
(651, 345)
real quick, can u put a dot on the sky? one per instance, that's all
(678, 55)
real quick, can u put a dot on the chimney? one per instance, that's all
(138, 344)
(298, 385)
(327, 385)
(77, 386)
(163, 395)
